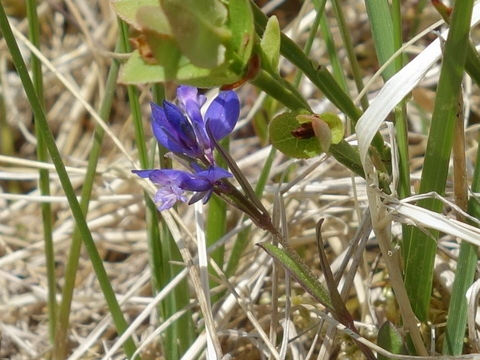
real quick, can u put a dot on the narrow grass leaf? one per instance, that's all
(301, 273)
(44, 178)
(397, 88)
(467, 257)
(382, 32)
(419, 249)
(55, 155)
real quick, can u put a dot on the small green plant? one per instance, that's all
(216, 51)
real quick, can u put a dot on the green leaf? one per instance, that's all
(153, 18)
(240, 23)
(199, 27)
(270, 43)
(280, 130)
(127, 9)
(136, 71)
(159, 40)
(390, 339)
(288, 259)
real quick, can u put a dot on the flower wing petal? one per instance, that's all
(214, 173)
(143, 173)
(165, 133)
(222, 114)
(168, 177)
(182, 128)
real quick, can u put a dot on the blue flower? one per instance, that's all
(182, 129)
(173, 183)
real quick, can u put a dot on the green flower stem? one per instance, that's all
(44, 179)
(279, 91)
(242, 238)
(216, 224)
(320, 77)
(420, 249)
(55, 155)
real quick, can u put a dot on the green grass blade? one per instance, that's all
(61, 342)
(464, 275)
(382, 32)
(419, 248)
(44, 179)
(55, 155)
(337, 68)
(290, 261)
(319, 7)
(347, 42)
(181, 334)
(457, 309)
(472, 63)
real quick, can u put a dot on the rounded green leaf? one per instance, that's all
(136, 71)
(199, 28)
(300, 146)
(127, 9)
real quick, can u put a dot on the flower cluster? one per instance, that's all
(183, 130)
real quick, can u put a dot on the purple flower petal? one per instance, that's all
(196, 183)
(189, 93)
(207, 196)
(172, 184)
(191, 103)
(143, 173)
(182, 128)
(169, 176)
(222, 114)
(167, 196)
(164, 132)
(214, 173)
